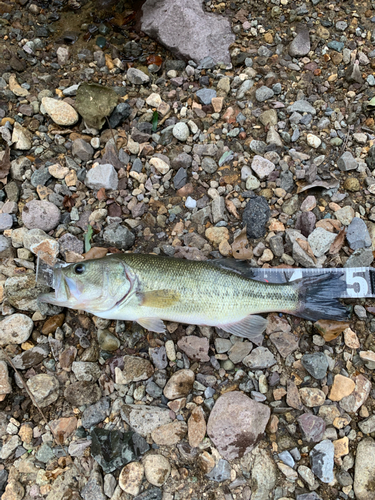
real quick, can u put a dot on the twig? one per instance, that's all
(33, 400)
(113, 137)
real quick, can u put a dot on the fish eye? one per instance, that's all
(79, 268)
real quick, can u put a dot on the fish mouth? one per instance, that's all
(61, 295)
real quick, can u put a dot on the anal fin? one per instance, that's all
(250, 327)
(152, 324)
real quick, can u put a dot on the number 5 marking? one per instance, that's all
(357, 285)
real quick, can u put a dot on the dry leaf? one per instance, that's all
(231, 208)
(306, 248)
(338, 242)
(241, 248)
(5, 163)
(73, 256)
(95, 253)
(302, 186)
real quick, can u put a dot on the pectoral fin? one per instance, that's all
(250, 327)
(152, 324)
(160, 298)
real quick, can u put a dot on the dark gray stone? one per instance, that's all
(180, 179)
(255, 217)
(370, 159)
(40, 177)
(286, 181)
(118, 236)
(82, 150)
(121, 112)
(95, 413)
(316, 364)
(137, 166)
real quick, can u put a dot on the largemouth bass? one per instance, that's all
(152, 289)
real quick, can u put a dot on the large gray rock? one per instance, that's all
(187, 30)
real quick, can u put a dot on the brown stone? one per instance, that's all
(63, 427)
(311, 396)
(341, 447)
(342, 387)
(329, 330)
(53, 323)
(351, 339)
(180, 384)
(196, 427)
(169, 434)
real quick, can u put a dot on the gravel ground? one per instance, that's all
(271, 159)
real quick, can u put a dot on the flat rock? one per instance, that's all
(15, 329)
(137, 77)
(238, 435)
(44, 388)
(321, 458)
(262, 167)
(169, 434)
(40, 214)
(359, 396)
(300, 46)
(312, 427)
(357, 234)
(130, 478)
(196, 427)
(61, 112)
(364, 473)
(259, 358)
(320, 241)
(135, 369)
(208, 34)
(102, 176)
(195, 347)
(145, 419)
(312, 396)
(341, 388)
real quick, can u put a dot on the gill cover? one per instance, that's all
(95, 285)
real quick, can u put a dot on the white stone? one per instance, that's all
(181, 131)
(313, 141)
(160, 165)
(153, 100)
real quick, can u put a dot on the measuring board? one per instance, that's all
(360, 281)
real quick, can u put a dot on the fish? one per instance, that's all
(151, 289)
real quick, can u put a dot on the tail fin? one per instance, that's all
(318, 297)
